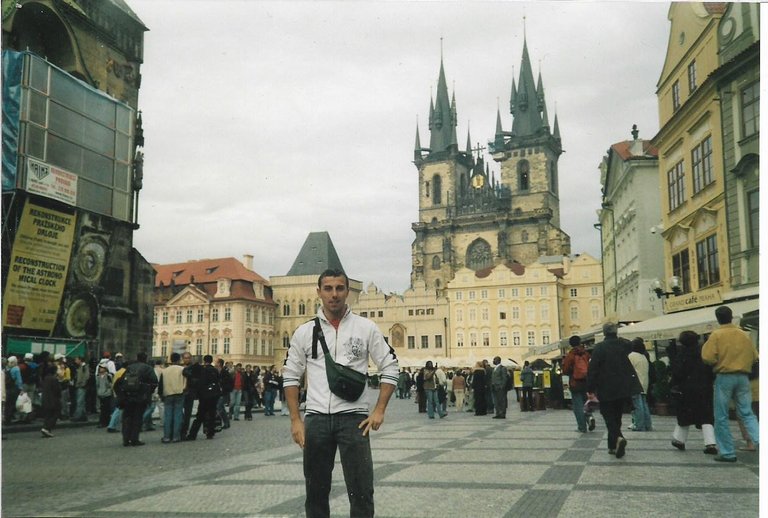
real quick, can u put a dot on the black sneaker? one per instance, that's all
(621, 445)
(679, 445)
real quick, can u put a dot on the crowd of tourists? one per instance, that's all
(128, 395)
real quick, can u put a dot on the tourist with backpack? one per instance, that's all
(576, 366)
(134, 391)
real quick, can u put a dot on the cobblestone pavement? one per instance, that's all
(531, 464)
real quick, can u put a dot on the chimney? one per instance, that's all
(248, 261)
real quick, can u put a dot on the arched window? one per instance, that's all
(523, 175)
(436, 262)
(437, 186)
(553, 176)
(479, 255)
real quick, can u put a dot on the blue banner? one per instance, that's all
(12, 65)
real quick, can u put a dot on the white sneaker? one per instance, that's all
(46, 432)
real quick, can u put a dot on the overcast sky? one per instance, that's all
(265, 121)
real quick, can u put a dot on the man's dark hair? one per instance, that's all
(689, 338)
(220, 362)
(175, 357)
(207, 358)
(610, 329)
(142, 357)
(332, 272)
(574, 341)
(724, 315)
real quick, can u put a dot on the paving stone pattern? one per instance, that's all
(532, 464)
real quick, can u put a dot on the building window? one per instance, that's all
(530, 312)
(574, 292)
(438, 341)
(529, 292)
(707, 261)
(302, 308)
(425, 342)
(411, 342)
(286, 342)
(750, 109)
(595, 313)
(595, 291)
(484, 294)
(545, 336)
(545, 312)
(502, 315)
(515, 292)
(459, 339)
(247, 345)
(692, 76)
(199, 347)
(515, 312)
(459, 315)
(381, 313)
(753, 202)
(286, 310)
(459, 295)
(178, 316)
(515, 337)
(165, 317)
(226, 345)
(471, 295)
(502, 293)
(574, 313)
(531, 338)
(544, 291)
(701, 164)
(215, 315)
(484, 314)
(473, 339)
(503, 339)
(676, 96)
(486, 339)
(214, 346)
(681, 268)
(154, 318)
(676, 185)
(523, 175)
(437, 186)
(364, 314)
(189, 316)
(472, 315)
(164, 349)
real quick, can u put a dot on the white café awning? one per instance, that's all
(701, 321)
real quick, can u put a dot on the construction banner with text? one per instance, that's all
(38, 268)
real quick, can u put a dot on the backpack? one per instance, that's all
(227, 381)
(580, 367)
(129, 386)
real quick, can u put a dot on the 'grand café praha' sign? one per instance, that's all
(688, 301)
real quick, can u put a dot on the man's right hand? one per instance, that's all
(297, 431)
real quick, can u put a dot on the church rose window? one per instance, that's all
(479, 255)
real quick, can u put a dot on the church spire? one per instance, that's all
(417, 145)
(525, 105)
(442, 118)
(556, 132)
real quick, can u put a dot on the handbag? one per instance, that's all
(23, 403)
(344, 382)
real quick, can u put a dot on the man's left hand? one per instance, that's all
(373, 421)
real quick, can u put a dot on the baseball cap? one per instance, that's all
(29, 356)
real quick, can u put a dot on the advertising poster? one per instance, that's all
(38, 268)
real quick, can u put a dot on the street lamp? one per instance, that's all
(674, 284)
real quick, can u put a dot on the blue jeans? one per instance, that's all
(223, 411)
(433, 404)
(172, 417)
(269, 402)
(323, 435)
(116, 418)
(146, 418)
(234, 404)
(577, 402)
(641, 413)
(727, 387)
(79, 404)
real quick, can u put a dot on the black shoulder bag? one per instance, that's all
(343, 381)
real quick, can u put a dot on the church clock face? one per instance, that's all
(478, 181)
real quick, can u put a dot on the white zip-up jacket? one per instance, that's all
(352, 344)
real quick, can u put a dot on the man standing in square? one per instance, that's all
(330, 421)
(731, 354)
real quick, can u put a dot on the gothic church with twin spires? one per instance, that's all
(467, 217)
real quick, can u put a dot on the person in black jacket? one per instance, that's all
(227, 384)
(612, 377)
(209, 393)
(694, 381)
(192, 373)
(134, 404)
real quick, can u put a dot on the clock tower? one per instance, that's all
(469, 218)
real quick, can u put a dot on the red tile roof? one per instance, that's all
(205, 271)
(715, 7)
(623, 149)
(517, 269)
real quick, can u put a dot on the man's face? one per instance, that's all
(186, 358)
(333, 293)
